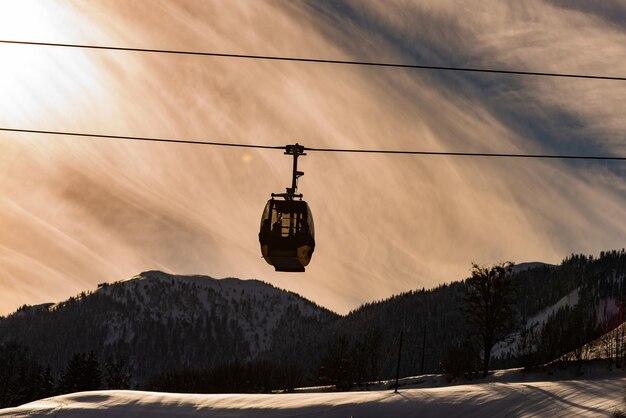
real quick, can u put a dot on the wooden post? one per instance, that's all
(399, 356)
(423, 350)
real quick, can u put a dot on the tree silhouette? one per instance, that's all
(335, 369)
(460, 359)
(20, 375)
(47, 386)
(117, 374)
(81, 374)
(490, 306)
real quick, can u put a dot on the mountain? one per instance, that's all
(560, 308)
(158, 321)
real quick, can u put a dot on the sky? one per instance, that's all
(75, 212)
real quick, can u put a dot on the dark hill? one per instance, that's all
(159, 322)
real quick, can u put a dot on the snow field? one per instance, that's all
(568, 398)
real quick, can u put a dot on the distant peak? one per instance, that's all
(155, 274)
(197, 278)
(158, 274)
(530, 265)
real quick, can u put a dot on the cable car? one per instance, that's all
(287, 233)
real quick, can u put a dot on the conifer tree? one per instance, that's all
(47, 386)
(117, 374)
(81, 374)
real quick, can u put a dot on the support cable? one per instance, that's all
(335, 150)
(321, 61)
(141, 138)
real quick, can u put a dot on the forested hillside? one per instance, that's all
(163, 331)
(157, 322)
(559, 308)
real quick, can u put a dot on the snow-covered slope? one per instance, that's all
(161, 322)
(533, 324)
(570, 398)
(611, 345)
(257, 306)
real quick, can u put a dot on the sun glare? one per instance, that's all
(37, 83)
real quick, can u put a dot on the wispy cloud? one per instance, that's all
(80, 212)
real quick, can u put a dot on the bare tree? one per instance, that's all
(489, 305)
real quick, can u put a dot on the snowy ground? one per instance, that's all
(594, 396)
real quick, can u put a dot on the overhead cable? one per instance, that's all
(335, 150)
(320, 61)
(471, 154)
(140, 138)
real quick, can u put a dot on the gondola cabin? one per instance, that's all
(287, 234)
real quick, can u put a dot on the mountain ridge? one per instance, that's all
(200, 278)
(167, 317)
(157, 322)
